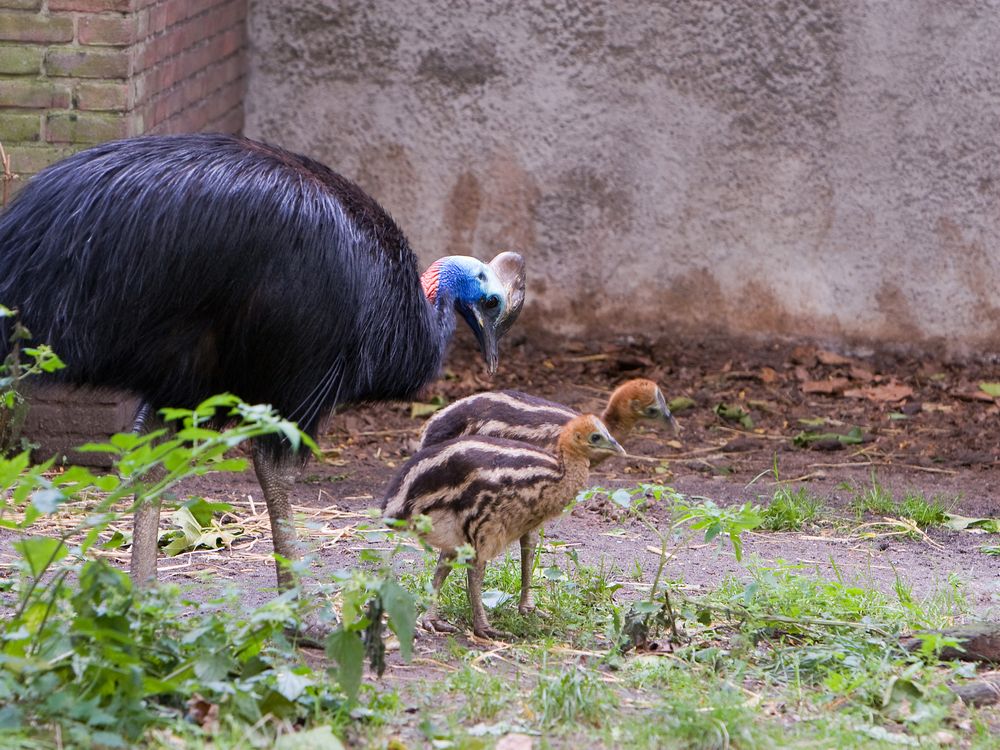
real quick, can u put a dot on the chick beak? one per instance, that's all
(665, 414)
(615, 446)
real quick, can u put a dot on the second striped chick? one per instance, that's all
(487, 492)
(520, 416)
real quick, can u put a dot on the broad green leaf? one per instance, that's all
(345, 648)
(212, 667)
(734, 413)
(990, 389)
(680, 404)
(553, 573)
(11, 717)
(40, 552)
(318, 738)
(622, 498)
(401, 608)
(105, 738)
(291, 685)
(203, 510)
(47, 500)
(964, 523)
(494, 598)
(418, 409)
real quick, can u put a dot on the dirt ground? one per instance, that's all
(924, 425)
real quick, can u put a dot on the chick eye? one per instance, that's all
(652, 411)
(492, 302)
(595, 438)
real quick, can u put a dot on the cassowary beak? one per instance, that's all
(509, 269)
(486, 333)
(665, 414)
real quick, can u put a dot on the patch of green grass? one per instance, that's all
(573, 601)
(788, 658)
(791, 510)
(923, 511)
(486, 694)
(878, 500)
(874, 499)
(571, 697)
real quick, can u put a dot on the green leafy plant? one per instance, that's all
(734, 413)
(21, 363)
(645, 618)
(874, 499)
(84, 651)
(572, 696)
(923, 511)
(790, 510)
(807, 438)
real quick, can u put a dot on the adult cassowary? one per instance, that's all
(177, 267)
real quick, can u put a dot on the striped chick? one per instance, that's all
(486, 492)
(519, 416)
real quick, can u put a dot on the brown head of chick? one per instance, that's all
(635, 401)
(486, 492)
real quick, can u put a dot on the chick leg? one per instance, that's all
(480, 625)
(528, 542)
(432, 620)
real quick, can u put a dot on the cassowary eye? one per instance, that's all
(492, 302)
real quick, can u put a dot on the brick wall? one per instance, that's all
(78, 72)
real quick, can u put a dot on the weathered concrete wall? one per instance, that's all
(820, 168)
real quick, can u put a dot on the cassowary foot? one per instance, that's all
(491, 633)
(541, 614)
(435, 624)
(526, 608)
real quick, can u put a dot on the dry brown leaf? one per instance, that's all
(804, 355)
(802, 373)
(888, 392)
(829, 387)
(860, 373)
(832, 358)
(768, 375)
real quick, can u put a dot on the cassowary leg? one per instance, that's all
(146, 524)
(431, 619)
(276, 479)
(480, 625)
(528, 542)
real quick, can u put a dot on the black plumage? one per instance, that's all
(177, 267)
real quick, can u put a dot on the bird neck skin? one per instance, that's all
(437, 283)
